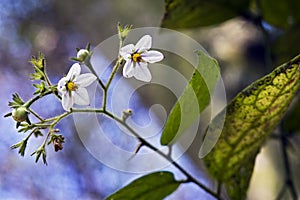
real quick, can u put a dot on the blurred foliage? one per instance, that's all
(56, 28)
(191, 14)
(251, 118)
(282, 14)
(285, 45)
(269, 15)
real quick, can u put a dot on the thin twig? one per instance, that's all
(113, 73)
(32, 100)
(35, 114)
(143, 142)
(91, 68)
(288, 179)
(190, 178)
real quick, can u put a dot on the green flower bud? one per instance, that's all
(20, 114)
(82, 54)
(123, 31)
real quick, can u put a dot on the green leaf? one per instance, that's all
(21, 145)
(37, 132)
(8, 114)
(39, 63)
(195, 13)
(194, 99)
(280, 13)
(41, 88)
(41, 151)
(157, 185)
(36, 76)
(251, 117)
(17, 101)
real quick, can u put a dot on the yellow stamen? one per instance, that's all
(71, 86)
(136, 57)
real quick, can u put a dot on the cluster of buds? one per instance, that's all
(72, 89)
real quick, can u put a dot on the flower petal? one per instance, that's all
(152, 56)
(84, 80)
(144, 43)
(67, 101)
(142, 72)
(74, 71)
(128, 69)
(61, 85)
(126, 51)
(81, 96)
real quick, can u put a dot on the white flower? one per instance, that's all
(72, 87)
(137, 58)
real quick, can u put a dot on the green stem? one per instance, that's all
(32, 100)
(89, 65)
(43, 72)
(53, 88)
(35, 114)
(74, 110)
(52, 125)
(190, 178)
(60, 117)
(113, 73)
(47, 80)
(41, 125)
(54, 121)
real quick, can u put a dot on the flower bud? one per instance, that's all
(20, 114)
(82, 54)
(123, 31)
(57, 144)
(126, 113)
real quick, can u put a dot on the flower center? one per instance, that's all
(71, 86)
(136, 57)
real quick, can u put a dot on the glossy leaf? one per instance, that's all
(251, 117)
(195, 13)
(157, 185)
(194, 99)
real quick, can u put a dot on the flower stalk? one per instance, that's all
(73, 90)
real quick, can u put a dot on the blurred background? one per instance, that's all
(245, 49)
